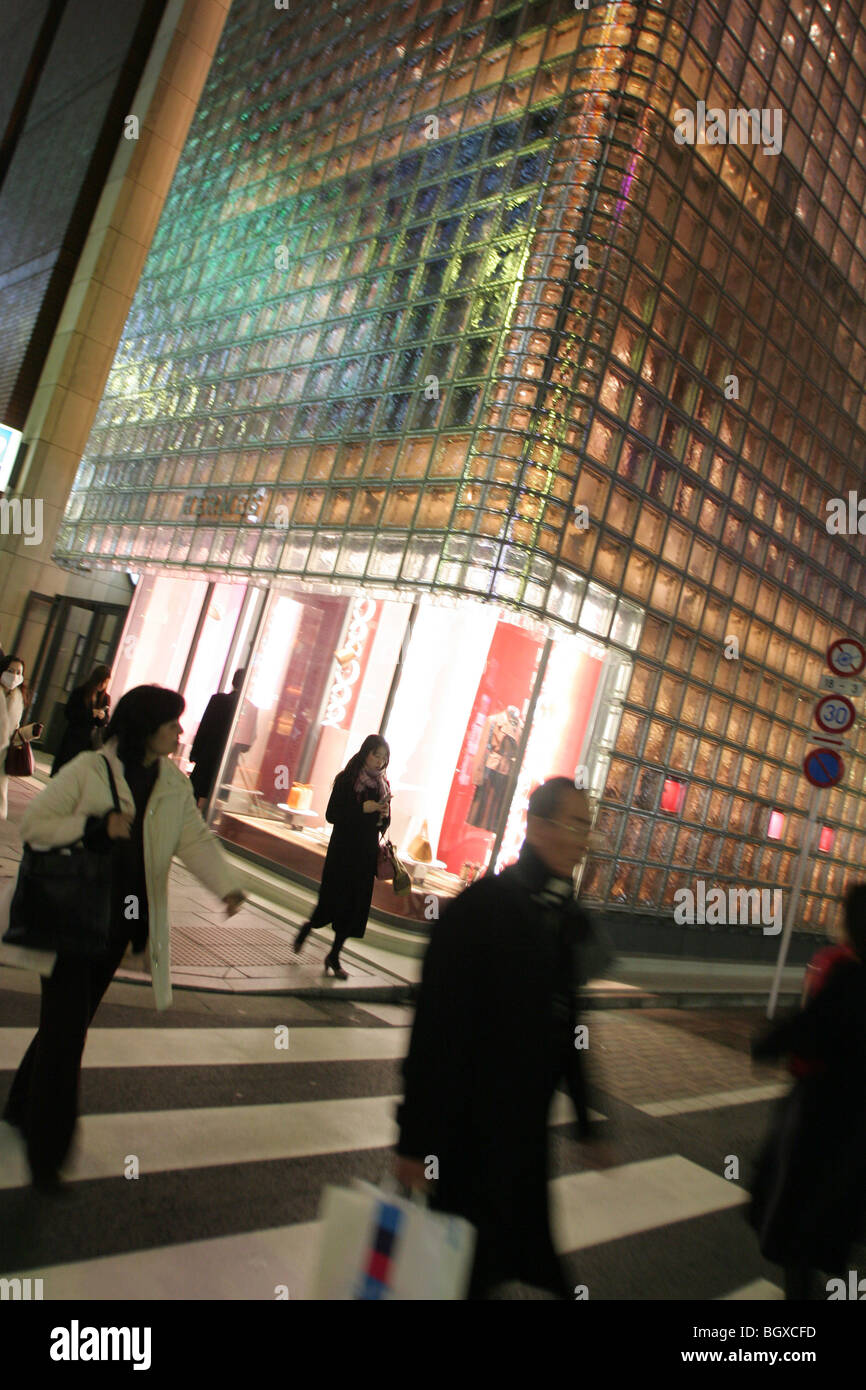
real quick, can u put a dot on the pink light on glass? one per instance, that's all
(673, 796)
(776, 826)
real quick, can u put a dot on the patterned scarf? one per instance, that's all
(376, 783)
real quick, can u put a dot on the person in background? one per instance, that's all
(494, 1033)
(14, 699)
(359, 810)
(809, 1192)
(817, 974)
(158, 819)
(87, 715)
(210, 740)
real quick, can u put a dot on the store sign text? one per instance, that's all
(237, 506)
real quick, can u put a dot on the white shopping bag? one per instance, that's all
(376, 1245)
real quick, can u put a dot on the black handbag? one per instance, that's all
(63, 898)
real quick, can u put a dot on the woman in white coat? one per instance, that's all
(158, 818)
(14, 698)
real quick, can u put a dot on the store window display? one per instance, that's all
(493, 767)
(452, 691)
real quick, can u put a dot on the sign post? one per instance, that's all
(834, 714)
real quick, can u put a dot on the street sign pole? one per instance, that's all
(794, 900)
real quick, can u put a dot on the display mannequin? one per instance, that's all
(493, 766)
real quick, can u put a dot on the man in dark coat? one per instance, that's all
(809, 1193)
(495, 1032)
(210, 740)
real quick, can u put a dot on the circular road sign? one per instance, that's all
(834, 714)
(823, 767)
(846, 656)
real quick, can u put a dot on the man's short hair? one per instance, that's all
(546, 800)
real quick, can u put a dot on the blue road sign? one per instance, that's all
(823, 767)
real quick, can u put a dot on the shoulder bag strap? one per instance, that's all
(112, 782)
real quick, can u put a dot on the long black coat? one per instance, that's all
(350, 863)
(80, 725)
(210, 740)
(494, 1034)
(809, 1193)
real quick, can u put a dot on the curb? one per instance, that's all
(406, 994)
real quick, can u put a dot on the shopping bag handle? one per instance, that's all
(389, 1185)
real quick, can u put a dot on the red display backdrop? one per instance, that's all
(508, 679)
(571, 708)
(309, 669)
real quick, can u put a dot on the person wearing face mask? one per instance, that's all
(157, 819)
(359, 810)
(14, 699)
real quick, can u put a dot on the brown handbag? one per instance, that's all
(19, 760)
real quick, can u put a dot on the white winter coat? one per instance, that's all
(172, 825)
(11, 710)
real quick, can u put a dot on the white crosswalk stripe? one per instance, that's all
(759, 1289)
(713, 1100)
(215, 1047)
(171, 1140)
(592, 1207)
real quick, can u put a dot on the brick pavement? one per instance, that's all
(654, 1055)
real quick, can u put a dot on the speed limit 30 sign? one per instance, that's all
(834, 714)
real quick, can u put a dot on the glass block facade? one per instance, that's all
(440, 304)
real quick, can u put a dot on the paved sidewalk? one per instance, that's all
(252, 953)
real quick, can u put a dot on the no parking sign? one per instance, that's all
(823, 767)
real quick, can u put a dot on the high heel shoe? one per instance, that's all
(335, 966)
(301, 937)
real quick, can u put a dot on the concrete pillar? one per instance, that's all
(96, 307)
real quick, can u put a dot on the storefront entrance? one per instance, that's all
(60, 640)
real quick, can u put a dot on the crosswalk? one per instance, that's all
(203, 1151)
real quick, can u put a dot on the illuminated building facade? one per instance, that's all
(461, 399)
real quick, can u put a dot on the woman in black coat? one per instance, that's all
(87, 710)
(359, 810)
(809, 1193)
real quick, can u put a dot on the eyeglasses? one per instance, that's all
(583, 829)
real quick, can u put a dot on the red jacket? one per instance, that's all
(817, 973)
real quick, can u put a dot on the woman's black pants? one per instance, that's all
(43, 1100)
